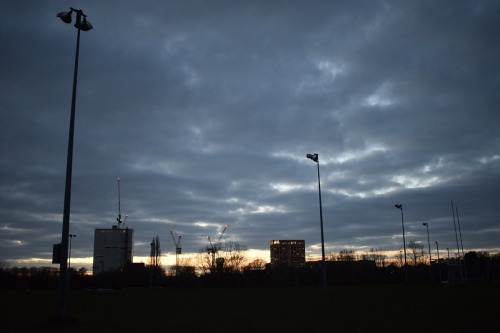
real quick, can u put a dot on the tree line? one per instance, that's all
(230, 266)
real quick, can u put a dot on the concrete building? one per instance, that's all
(113, 249)
(288, 253)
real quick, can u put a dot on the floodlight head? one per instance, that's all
(425, 223)
(313, 157)
(84, 25)
(65, 16)
(399, 206)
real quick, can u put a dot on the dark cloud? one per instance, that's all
(207, 109)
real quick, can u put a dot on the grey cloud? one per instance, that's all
(207, 109)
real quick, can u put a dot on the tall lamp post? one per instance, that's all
(439, 264)
(71, 236)
(315, 158)
(400, 207)
(429, 243)
(81, 25)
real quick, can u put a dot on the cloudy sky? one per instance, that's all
(206, 111)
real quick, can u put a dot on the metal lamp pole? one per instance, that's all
(81, 24)
(400, 207)
(429, 243)
(68, 277)
(439, 264)
(315, 158)
(71, 236)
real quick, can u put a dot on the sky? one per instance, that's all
(206, 110)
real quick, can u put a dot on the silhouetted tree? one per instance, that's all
(347, 255)
(375, 255)
(416, 253)
(234, 256)
(204, 260)
(184, 267)
(230, 257)
(256, 265)
(399, 258)
(3, 265)
(82, 271)
(478, 265)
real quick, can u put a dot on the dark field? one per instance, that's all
(367, 308)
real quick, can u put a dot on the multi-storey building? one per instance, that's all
(288, 253)
(113, 249)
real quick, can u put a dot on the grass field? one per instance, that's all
(366, 308)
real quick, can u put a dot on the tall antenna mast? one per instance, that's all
(119, 219)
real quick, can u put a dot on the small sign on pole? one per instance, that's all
(56, 253)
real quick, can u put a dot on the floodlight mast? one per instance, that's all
(400, 207)
(315, 157)
(81, 25)
(426, 224)
(119, 219)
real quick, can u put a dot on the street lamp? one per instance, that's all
(400, 207)
(71, 236)
(429, 243)
(81, 24)
(439, 264)
(314, 157)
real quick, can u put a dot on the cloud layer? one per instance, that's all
(206, 109)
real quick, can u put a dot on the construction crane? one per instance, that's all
(213, 248)
(178, 249)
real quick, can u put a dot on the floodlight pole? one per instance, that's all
(71, 236)
(63, 265)
(439, 263)
(400, 207)
(462, 244)
(456, 237)
(430, 255)
(315, 158)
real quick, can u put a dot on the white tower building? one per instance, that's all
(113, 249)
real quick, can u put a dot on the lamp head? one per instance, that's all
(399, 206)
(313, 157)
(425, 223)
(65, 16)
(84, 25)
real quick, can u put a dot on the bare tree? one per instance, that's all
(184, 267)
(417, 254)
(375, 255)
(229, 257)
(399, 258)
(258, 264)
(204, 260)
(347, 255)
(234, 256)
